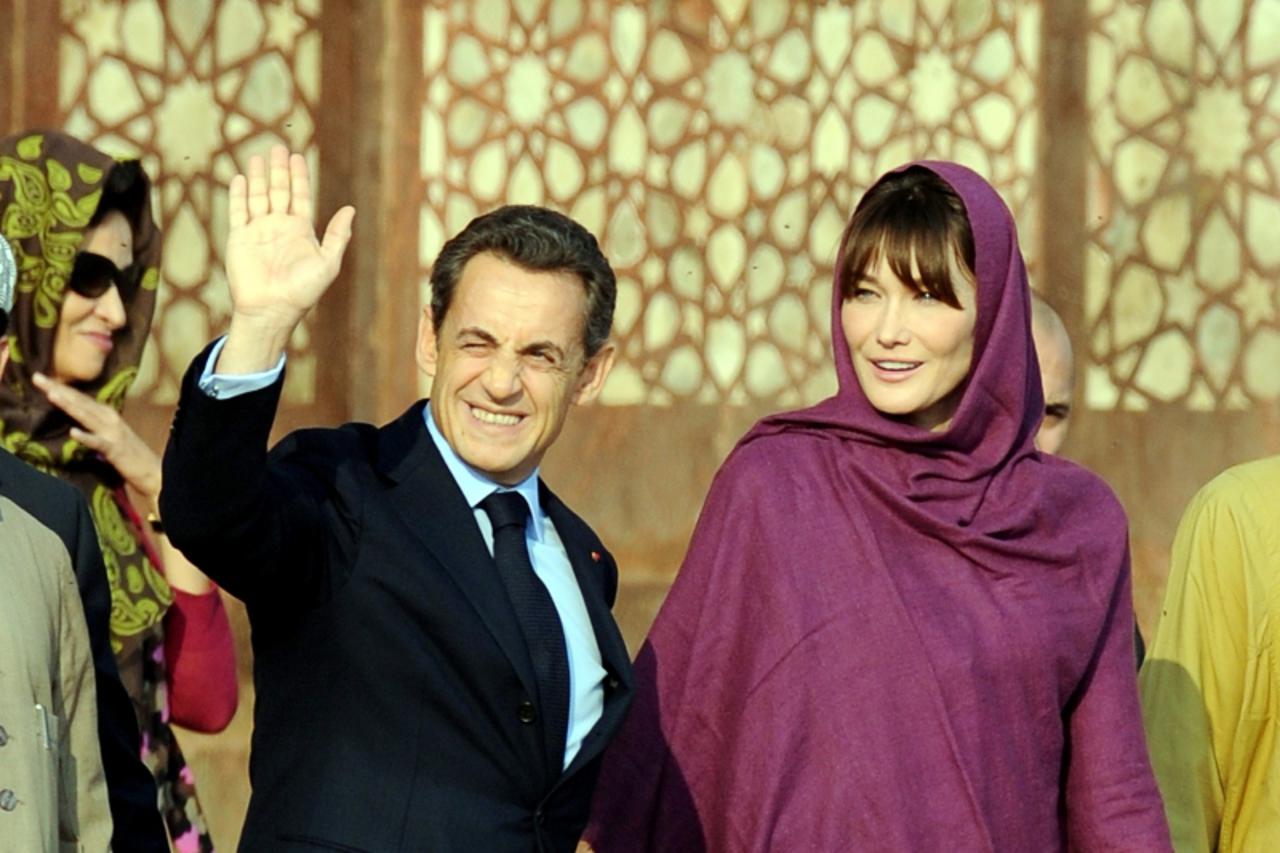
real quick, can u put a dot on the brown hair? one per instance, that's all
(909, 215)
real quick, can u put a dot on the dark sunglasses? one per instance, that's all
(93, 275)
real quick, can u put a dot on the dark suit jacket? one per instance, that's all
(393, 685)
(132, 791)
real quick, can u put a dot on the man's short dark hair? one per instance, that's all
(4, 321)
(539, 240)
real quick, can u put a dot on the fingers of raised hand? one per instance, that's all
(259, 204)
(94, 442)
(237, 202)
(278, 191)
(301, 178)
(337, 234)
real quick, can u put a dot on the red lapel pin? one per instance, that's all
(595, 555)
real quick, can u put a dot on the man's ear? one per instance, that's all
(426, 351)
(594, 374)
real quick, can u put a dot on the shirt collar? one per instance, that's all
(476, 486)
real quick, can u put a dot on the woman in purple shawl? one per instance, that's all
(898, 626)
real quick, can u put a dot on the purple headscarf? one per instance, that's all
(889, 638)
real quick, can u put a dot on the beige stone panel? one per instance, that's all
(186, 255)
(1220, 22)
(628, 143)
(668, 121)
(144, 22)
(1262, 40)
(935, 88)
(661, 321)
(730, 11)
(727, 256)
(898, 19)
(564, 170)
(766, 375)
(627, 307)
(1262, 229)
(1166, 231)
(834, 24)
(765, 274)
(689, 170)
(627, 29)
(825, 233)
(936, 11)
(1166, 368)
(788, 220)
(994, 60)
(239, 30)
(72, 69)
(727, 191)
(789, 320)
(526, 183)
(1218, 253)
(1218, 343)
(662, 220)
(624, 387)
(589, 209)
(687, 273)
(491, 18)
(1201, 399)
(307, 66)
(682, 373)
(268, 91)
(1100, 393)
(624, 242)
(1100, 71)
(1261, 357)
(1218, 129)
(588, 61)
(527, 91)
(791, 118)
(668, 60)
(468, 65)
(995, 119)
(970, 18)
(873, 61)
(1140, 96)
(768, 172)
(189, 128)
(831, 143)
(726, 350)
(1254, 299)
(729, 96)
(1136, 305)
(113, 96)
(458, 211)
(587, 121)
(487, 171)
(183, 332)
(791, 59)
(1139, 166)
(1170, 31)
(431, 236)
(873, 118)
(189, 27)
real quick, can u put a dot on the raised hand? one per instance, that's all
(103, 430)
(276, 268)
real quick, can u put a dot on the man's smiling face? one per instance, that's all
(507, 364)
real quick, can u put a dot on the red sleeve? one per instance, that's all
(202, 662)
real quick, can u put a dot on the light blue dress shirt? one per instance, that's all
(546, 552)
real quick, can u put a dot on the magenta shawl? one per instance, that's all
(884, 638)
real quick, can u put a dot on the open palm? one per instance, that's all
(276, 268)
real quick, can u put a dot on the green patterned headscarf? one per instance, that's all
(50, 187)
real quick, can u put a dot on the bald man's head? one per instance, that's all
(1057, 373)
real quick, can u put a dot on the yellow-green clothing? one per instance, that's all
(1211, 682)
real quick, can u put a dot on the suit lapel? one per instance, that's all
(593, 568)
(428, 499)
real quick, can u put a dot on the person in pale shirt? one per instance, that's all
(436, 663)
(1057, 373)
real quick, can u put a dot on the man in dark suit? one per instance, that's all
(131, 790)
(435, 661)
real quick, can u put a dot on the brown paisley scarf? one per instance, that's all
(50, 187)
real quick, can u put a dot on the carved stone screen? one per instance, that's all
(193, 88)
(717, 149)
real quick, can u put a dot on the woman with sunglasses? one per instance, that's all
(88, 254)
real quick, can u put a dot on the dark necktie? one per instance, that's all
(537, 615)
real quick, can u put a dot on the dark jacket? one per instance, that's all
(61, 508)
(393, 684)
